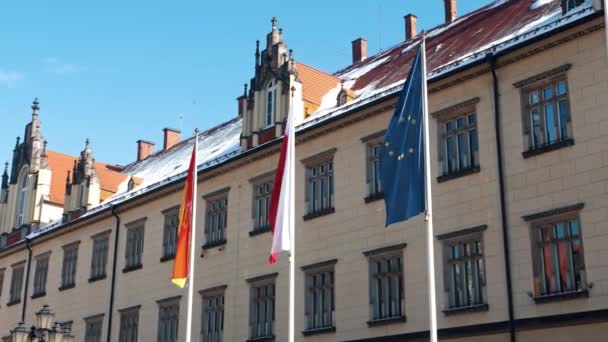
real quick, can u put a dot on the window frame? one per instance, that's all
(380, 255)
(270, 107)
(268, 283)
(324, 162)
(16, 287)
(310, 302)
(372, 176)
(216, 211)
(131, 313)
(213, 294)
(88, 329)
(100, 262)
(41, 275)
(69, 266)
(164, 305)
(267, 181)
(550, 219)
(22, 197)
(539, 83)
(170, 232)
(134, 245)
(449, 240)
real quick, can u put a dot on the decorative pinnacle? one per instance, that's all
(5, 167)
(44, 143)
(274, 22)
(86, 143)
(245, 89)
(35, 107)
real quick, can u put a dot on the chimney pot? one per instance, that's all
(450, 10)
(171, 137)
(410, 26)
(144, 149)
(359, 50)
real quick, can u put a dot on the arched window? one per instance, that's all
(22, 199)
(271, 104)
(342, 98)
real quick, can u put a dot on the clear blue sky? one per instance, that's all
(119, 71)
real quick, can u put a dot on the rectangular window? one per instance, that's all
(386, 285)
(93, 329)
(216, 218)
(261, 204)
(170, 234)
(319, 296)
(129, 323)
(548, 112)
(134, 248)
(16, 284)
(459, 144)
(559, 266)
(571, 4)
(40, 275)
(213, 315)
(70, 260)
(2, 270)
(261, 307)
(464, 270)
(99, 258)
(168, 320)
(320, 188)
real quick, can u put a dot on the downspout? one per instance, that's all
(503, 208)
(27, 278)
(113, 281)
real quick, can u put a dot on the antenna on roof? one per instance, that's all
(180, 118)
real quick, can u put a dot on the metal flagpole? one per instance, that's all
(429, 201)
(292, 205)
(192, 244)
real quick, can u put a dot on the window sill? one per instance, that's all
(167, 258)
(458, 174)
(385, 321)
(318, 331)
(38, 295)
(466, 309)
(67, 287)
(214, 244)
(259, 231)
(561, 296)
(13, 302)
(320, 213)
(96, 278)
(132, 268)
(262, 339)
(547, 148)
(374, 197)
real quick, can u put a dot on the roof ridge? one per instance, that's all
(318, 70)
(77, 157)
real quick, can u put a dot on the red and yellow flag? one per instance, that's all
(184, 230)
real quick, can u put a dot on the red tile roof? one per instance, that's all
(315, 83)
(110, 176)
(450, 42)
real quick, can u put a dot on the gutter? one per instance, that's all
(113, 281)
(27, 278)
(491, 59)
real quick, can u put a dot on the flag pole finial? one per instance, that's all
(196, 131)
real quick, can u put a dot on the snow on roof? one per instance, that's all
(491, 29)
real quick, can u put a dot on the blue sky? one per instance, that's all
(116, 72)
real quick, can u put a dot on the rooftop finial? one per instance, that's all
(86, 143)
(274, 22)
(257, 52)
(44, 143)
(5, 176)
(245, 89)
(35, 107)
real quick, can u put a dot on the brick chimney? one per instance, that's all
(144, 149)
(359, 50)
(171, 137)
(410, 26)
(450, 10)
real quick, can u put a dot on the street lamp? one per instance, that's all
(46, 329)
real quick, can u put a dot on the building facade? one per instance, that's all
(520, 191)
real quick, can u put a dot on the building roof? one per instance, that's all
(454, 42)
(315, 83)
(494, 28)
(110, 176)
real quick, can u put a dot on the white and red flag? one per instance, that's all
(282, 202)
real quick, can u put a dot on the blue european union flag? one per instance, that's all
(402, 156)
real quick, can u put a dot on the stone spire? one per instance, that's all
(257, 53)
(35, 139)
(35, 108)
(68, 185)
(5, 177)
(44, 158)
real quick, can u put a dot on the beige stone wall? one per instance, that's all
(571, 175)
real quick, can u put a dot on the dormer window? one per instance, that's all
(342, 99)
(271, 104)
(568, 5)
(22, 199)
